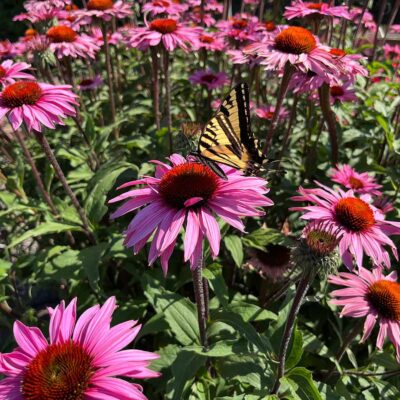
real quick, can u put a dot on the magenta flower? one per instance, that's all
(300, 9)
(392, 52)
(367, 19)
(65, 42)
(10, 71)
(105, 10)
(167, 31)
(348, 64)
(362, 183)
(37, 104)
(296, 46)
(240, 28)
(90, 83)
(212, 5)
(210, 42)
(363, 228)
(342, 93)
(209, 79)
(267, 112)
(114, 38)
(374, 296)
(191, 192)
(167, 7)
(82, 359)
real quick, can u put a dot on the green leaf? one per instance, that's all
(45, 228)
(213, 273)
(251, 312)
(234, 245)
(180, 313)
(245, 329)
(295, 351)
(4, 268)
(301, 378)
(90, 259)
(184, 369)
(264, 236)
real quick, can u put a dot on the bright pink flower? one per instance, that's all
(83, 358)
(36, 15)
(363, 227)
(7, 49)
(193, 17)
(210, 5)
(168, 31)
(374, 296)
(349, 65)
(105, 10)
(209, 79)
(383, 204)
(114, 38)
(301, 82)
(367, 19)
(241, 57)
(10, 71)
(267, 112)
(392, 52)
(300, 9)
(42, 6)
(342, 93)
(395, 28)
(296, 46)
(37, 104)
(210, 42)
(240, 28)
(191, 192)
(90, 83)
(362, 183)
(65, 42)
(167, 7)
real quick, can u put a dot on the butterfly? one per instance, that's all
(227, 138)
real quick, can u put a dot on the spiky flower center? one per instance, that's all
(187, 181)
(321, 241)
(239, 23)
(100, 5)
(337, 52)
(270, 26)
(31, 32)
(2, 72)
(295, 40)
(209, 78)
(164, 26)
(206, 39)
(71, 7)
(60, 372)
(21, 93)
(160, 3)
(274, 256)
(336, 91)
(86, 82)
(354, 214)
(355, 183)
(269, 114)
(59, 34)
(315, 6)
(385, 298)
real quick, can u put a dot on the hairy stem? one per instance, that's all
(156, 89)
(301, 292)
(60, 174)
(168, 99)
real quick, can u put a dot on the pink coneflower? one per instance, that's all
(367, 19)
(167, 31)
(191, 192)
(296, 46)
(209, 79)
(383, 204)
(362, 183)
(10, 71)
(349, 65)
(65, 42)
(392, 52)
(45, 5)
(240, 28)
(342, 93)
(300, 9)
(372, 295)
(210, 42)
(395, 28)
(36, 15)
(90, 83)
(83, 359)
(210, 5)
(363, 227)
(267, 112)
(37, 104)
(167, 7)
(194, 17)
(7, 49)
(308, 82)
(114, 38)
(240, 57)
(105, 10)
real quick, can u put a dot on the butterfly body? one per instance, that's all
(227, 138)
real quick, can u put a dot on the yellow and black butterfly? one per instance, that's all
(227, 138)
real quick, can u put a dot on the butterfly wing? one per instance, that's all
(228, 138)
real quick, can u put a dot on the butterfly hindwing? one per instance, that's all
(228, 138)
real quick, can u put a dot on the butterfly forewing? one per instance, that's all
(228, 138)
